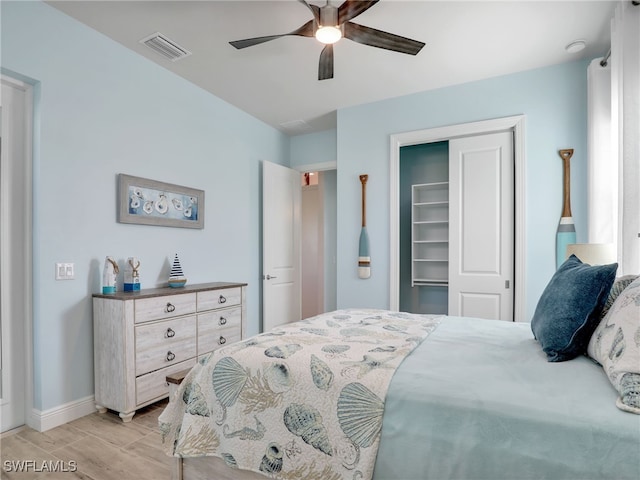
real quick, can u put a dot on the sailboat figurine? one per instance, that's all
(176, 277)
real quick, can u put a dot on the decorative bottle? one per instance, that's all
(110, 275)
(132, 275)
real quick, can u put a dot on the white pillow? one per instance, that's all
(618, 287)
(616, 346)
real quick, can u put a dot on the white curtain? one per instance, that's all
(614, 160)
(603, 166)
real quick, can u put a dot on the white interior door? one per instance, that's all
(14, 252)
(281, 280)
(481, 226)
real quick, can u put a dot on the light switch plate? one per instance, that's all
(65, 271)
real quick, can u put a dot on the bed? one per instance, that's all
(469, 399)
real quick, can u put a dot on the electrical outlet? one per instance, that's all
(65, 271)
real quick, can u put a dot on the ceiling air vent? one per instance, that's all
(165, 47)
(295, 127)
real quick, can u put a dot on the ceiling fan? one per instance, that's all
(330, 24)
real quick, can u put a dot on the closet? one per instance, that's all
(424, 228)
(457, 227)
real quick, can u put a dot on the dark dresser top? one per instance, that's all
(161, 291)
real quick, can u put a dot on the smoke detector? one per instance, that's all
(575, 47)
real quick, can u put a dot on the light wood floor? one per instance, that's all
(101, 446)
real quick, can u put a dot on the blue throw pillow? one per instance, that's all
(569, 309)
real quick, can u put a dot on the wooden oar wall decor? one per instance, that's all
(364, 258)
(566, 229)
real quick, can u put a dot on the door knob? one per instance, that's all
(269, 277)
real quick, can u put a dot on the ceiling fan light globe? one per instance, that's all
(328, 35)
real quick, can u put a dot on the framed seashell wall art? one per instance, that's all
(150, 202)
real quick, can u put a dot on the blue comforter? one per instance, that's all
(478, 400)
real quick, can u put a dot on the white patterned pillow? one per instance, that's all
(618, 287)
(616, 346)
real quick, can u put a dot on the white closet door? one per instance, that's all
(481, 226)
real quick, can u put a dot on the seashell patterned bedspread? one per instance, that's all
(303, 401)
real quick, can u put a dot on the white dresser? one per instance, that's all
(141, 337)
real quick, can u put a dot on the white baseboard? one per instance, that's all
(54, 417)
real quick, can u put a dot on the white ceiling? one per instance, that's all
(277, 81)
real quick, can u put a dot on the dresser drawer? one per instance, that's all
(221, 298)
(220, 339)
(157, 308)
(218, 328)
(154, 385)
(164, 343)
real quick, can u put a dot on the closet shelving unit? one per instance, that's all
(430, 234)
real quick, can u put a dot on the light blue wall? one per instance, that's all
(313, 148)
(554, 100)
(104, 110)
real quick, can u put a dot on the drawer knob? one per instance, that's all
(222, 299)
(222, 321)
(170, 356)
(170, 333)
(222, 340)
(170, 307)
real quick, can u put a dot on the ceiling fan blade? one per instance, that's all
(352, 8)
(250, 42)
(314, 9)
(325, 68)
(378, 38)
(305, 30)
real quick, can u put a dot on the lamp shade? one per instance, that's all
(593, 253)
